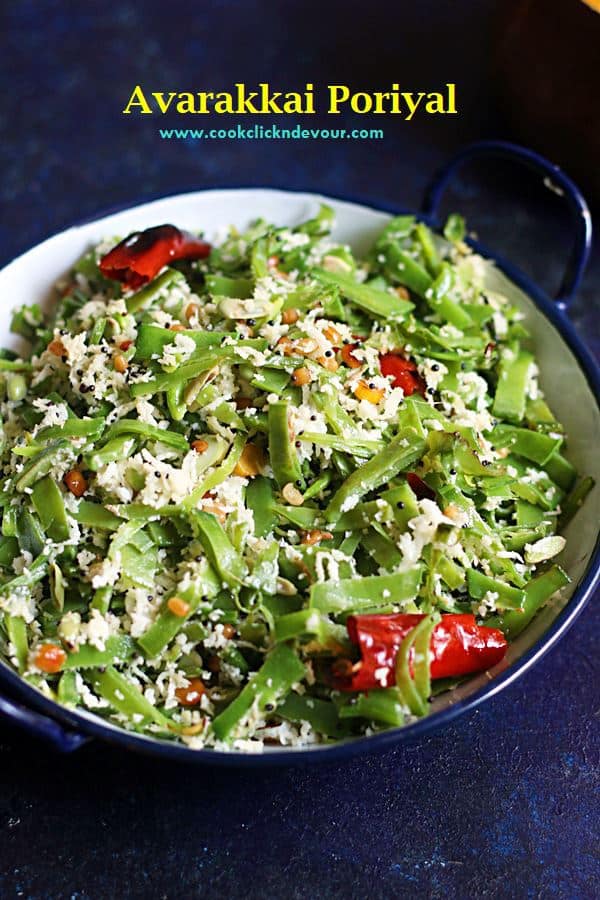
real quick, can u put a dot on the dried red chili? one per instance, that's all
(137, 259)
(459, 646)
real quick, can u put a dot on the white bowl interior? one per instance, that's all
(30, 277)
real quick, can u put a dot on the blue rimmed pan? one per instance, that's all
(563, 360)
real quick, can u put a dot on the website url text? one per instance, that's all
(270, 133)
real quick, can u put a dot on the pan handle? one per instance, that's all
(41, 726)
(553, 178)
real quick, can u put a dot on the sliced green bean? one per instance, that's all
(266, 688)
(385, 705)
(204, 585)
(49, 505)
(220, 551)
(438, 296)
(125, 697)
(148, 294)
(405, 269)
(537, 592)
(322, 715)
(282, 454)
(413, 654)
(16, 629)
(94, 515)
(428, 246)
(260, 499)
(118, 448)
(73, 427)
(148, 433)
(379, 303)
(119, 648)
(507, 597)
(41, 464)
(217, 475)
(371, 592)
(532, 445)
(401, 453)
(511, 391)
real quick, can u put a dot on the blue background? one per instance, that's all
(504, 802)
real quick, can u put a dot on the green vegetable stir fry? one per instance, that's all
(264, 493)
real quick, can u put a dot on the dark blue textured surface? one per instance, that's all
(504, 802)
